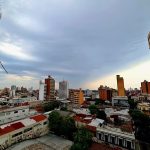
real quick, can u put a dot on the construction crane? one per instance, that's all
(3, 67)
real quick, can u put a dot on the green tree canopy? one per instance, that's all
(51, 106)
(93, 109)
(132, 103)
(68, 127)
(101, 114)
(55, 121)
(82, 138)
(62, 125)
(142, 125)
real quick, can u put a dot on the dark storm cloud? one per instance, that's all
(72, 39)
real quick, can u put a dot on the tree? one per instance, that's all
(93, 109)
(101, 114)
(51, 106)
(142, 125)
(76, 146)
(62, 125)
(97, 101)
(55, 122)
(82, 139)
(133, 105)
(68, 127)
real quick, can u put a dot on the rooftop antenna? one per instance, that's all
(3, 67)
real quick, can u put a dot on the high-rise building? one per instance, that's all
(105, 93)
(49, 88)
(13, 91)
(120, 85)
(76, 96)
(41, 90)
(145, 87)
(63, 90)
(148, 85)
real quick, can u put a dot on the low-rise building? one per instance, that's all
(12, 114)
(144, 106)
(21, 130)
(115, 136)
(121, 101)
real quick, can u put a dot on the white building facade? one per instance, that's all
(12, 114)
(115, 137)
(41, 90)
(21, 130)
(63, 89)
(121, 101)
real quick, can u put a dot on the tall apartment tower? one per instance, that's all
(49, 89)
(63, 90)
(145, 87)
(120, 85)
(41, 90)
(76, 96)
(105, 93)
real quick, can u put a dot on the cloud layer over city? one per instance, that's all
(77, 40)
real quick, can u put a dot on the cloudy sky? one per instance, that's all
(86, 42)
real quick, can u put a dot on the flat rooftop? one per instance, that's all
(47, 142)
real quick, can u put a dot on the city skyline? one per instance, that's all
(88, 43)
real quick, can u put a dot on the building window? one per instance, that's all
(23, 110)
(120, 142)
(112, 139)
(7, 113)
(128, 144)
(26, 130)
(100, 136)
(106, 138)
(19, 133)
(15, 111)
(45, 123)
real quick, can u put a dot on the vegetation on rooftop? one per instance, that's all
(99, 113)
(141, 122)
(82, 139)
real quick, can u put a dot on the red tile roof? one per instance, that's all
(80, 119)
(17, 125)
(10, 128)
(91, 128)
(6, 130)
(39, 118)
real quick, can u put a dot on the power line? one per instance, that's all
(3, 67)
(0, 9)
(148, 39)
